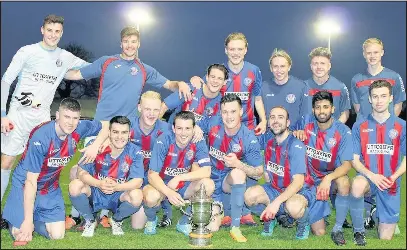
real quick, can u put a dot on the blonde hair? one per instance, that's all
(372, 40)
(150, 95)
(280, 53)
(129, 31)
(320, 51)
(236, 36)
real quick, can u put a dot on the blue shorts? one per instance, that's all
(100, 200)
(219, 180)
(182, 190)
(48, 208)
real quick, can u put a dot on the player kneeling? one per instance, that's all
(111, 182)
(177, 168)
(285, 170)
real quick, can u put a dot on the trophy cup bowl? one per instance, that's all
(201, 216)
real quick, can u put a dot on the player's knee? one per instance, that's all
(250, 196)
(136, 197)
(295, 208)
(75, 187)
(343, 186)
(57, 235)
(151, 197)
(358, 187)
(238, 176)
(209, 185)
(138, 220)
(73, 173)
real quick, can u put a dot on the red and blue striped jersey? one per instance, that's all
(128, 165)
(283, 161)
(326, 150)
(380, 146)
(359, 90)
(244, 144)
(146, 142)
(170, 160)
(200, 105)
(338, 89)
(247, 85)
(47, 154)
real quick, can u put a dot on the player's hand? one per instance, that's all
(323, 189)
(300, 134)
(175, 198)
(26, 231)
(6, 125)
(231, 160)
(173, 183)
(381, 181)
(261, 128)
(89, 154)
(271, 210)
(198, 134)
(197, 82)
(104, 145)
(106, 186)
(184, 90)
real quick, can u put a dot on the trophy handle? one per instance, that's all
(220, 205)
(187, 203)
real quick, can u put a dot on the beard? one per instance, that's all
(279, 131)
(323, 120)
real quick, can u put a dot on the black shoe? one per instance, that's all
(165, 222)
(285, 221)
(346, 224)
(359, 238)
(338, 238)
(4, 223)
(369, 221)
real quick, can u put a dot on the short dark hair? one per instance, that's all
(220, 67)
(120, 120)
(185, 115)
(70, 104)
(230, 98)
(53, 19)
(380, 84)
(322, 95)
(281, 107)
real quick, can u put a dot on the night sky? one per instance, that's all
(188, 36)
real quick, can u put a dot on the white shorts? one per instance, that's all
(24, 120)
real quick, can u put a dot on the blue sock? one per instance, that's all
(185, 219)
(151, 212)
(81, 203)
(236, 202)
(257, 209)
(356, 213)
(41, 229)
(125, 210)
(167, 207)
(74, 212)
(303, 221)
(226, 203)
(104, 212)
(245, 210)
(332, 197)
(342, 207)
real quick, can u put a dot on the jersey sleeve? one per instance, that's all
(160, 150)
(202, 154)
(300, 125)
(94, 69)
(16, 65)
(345, 99)
(252, 153)
(89, 167)
(297, 156)
(353, 93)
(137, 165)
(36, 151)
(357, 147)
(88, 128)
(154, 78)
(172, 101)
(403, 141)
(345, 152)
(258, 83)
(399, 93)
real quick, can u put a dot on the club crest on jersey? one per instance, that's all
(189, 155)
(290, 98)
(247, 81)
(58, 63)
(133, 71)
(332, 142)
(393, 134)
(125, 167)
(236, 148)
(209, 111)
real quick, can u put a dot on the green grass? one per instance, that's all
(169, 238)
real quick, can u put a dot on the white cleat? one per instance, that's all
(116, 227)
(89, 229)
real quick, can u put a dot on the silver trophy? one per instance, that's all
(201, 216)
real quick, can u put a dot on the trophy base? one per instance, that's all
(200, 240)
